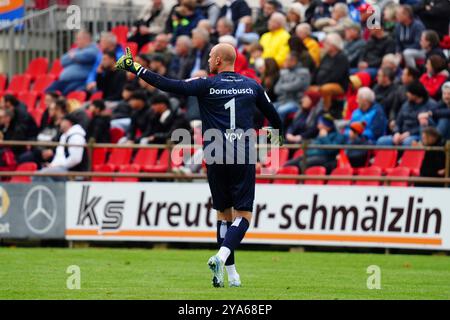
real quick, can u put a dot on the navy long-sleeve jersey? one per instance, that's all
(227, 104)
(227, 100)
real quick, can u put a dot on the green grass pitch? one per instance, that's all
(40, 273)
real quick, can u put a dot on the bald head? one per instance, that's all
(222, 58)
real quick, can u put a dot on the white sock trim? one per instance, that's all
(224, 253)
(232, 272)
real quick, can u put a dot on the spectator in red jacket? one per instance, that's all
(435, 76)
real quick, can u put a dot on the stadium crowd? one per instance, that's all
(335, 72)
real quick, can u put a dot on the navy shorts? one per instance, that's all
(232, 186)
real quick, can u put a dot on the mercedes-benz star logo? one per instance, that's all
(40, 209)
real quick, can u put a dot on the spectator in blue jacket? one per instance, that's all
(407, 35)
(107, 43)
(407, 126)
(328, 135)
(77, 63)
(370, 113)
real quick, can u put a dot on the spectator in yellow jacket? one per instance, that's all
(275, 42)
(303, 31)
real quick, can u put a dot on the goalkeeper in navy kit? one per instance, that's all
(227, 103)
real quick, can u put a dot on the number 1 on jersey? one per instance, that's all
(232, 106)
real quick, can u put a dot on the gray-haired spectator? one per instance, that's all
(182, 49)
(198, 58)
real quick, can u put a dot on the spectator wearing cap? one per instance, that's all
(354, 44)
(328, 135)
(163, 121)
(139, 118)
(386, 90)
(275, 41)
(183, 47)
(304, 124)
(107, 43)
(407, 126)
(198, 58)
(332, 76)
(435, 76)
(435, 15)
(293, 82)
(67, 158)
(109, 80)
(99, 125)
(355, 137)
(378, 45)
(370, 113)
(267, 8)
(235, 10)
(77, 64)
(407, 35)
(440, 117)
(150, 23)
(303, 32)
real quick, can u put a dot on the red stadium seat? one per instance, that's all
(276, 158)
(162, 165)
(103, 168)
(56, 69)
(80, 96)
(128, 168)
(343, 160)
(29, 99)
(37, 67)
(121, 33)
(120, 156)
(37, 115)
(134, 48)
(399, 172)
(146, 158)
(344, 171)
(43, 82)
(298, 153)
(96, 96)
(24, 167)
(116, 134)
(369, 172)
(287, 170)
(3, 80)
(412, 159)
(315, 171)
(99, 156)
(19, 83)
(385, 159)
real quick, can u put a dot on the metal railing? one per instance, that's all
(188, 177)
(46, 33)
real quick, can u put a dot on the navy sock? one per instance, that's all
(236, 233)
(222, 228)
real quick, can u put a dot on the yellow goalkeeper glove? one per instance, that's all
(127, 63)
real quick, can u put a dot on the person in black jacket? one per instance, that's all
(163, 121)
(109, 80)
(21, 116)
(332, 76)
(378, 45)
(433, 164)
(11, 129)
(235, 10)
(139, 118)
(435, 15)
(99, 125)
(386, 90)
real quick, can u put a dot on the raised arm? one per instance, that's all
(190, 87)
